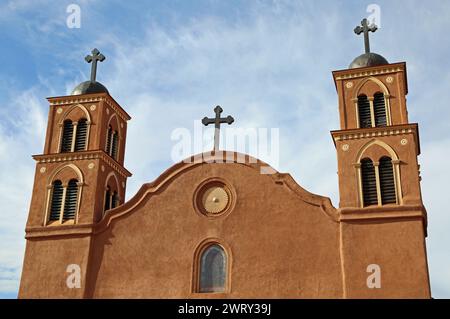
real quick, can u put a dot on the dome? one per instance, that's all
(89, 87)
(368, 59)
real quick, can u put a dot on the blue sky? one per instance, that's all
(268, 63)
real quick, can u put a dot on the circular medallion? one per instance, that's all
(93, 107)
(349, 85)
(59, 110)
(213, 198)
(389, 79)
(404, 141)
(345, 147)
(91, 165)
(42, 170)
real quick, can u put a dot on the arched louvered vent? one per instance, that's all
(57, 194)
(369, 183)
(365, 119)
(67, 136)
(115, 144)
(379, 107)
(70, 205)
(108, 199)
(114, 200)
(109, 140)
(81, 136)
(387, 183)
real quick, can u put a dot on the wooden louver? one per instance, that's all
(379, 107)
(70, 205)
(81, 135)
(387, 183)
(67, 136)
(369, 184)
(365, 119)
(115, 141)
(57, 194)
(109, 140)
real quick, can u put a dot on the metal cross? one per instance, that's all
(96, 56)
(365, 27)
(217, 121)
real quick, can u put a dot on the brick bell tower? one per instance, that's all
(383, 219)
(78, 178)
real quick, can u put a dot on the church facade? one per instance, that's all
(209, 228)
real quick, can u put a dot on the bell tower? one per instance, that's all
(383, 219)
(79, 177)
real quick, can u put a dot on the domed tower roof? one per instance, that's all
(91, 86)
(368, 58)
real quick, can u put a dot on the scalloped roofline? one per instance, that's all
(225, 157)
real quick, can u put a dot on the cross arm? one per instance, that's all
(207, 121)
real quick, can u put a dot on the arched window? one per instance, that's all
(70, 204)
(81, 135)
(365, 118)
(115, 142)
(369, 183)
(379, 107)
(387, 183)
(67, 136)
(213, 269)
(56, 204)
(108, 198)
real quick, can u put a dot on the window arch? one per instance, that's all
(81, 135)
(212, 269)
(364, 112)
(67, 136)
(63, 201)
(379, 108)
(369, 183)
(56, 200)
(387, 173)
(387, 182)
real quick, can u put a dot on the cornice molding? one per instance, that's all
(368, 133)
(367, 73)
(88, 98)
(87, 155)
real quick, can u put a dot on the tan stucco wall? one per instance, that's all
(279, 245)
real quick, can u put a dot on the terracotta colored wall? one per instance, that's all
(44, 272)
(280, 245)
(397, 246)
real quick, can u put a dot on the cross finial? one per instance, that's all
(366, 28)
(217, 121)
(96, 56)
